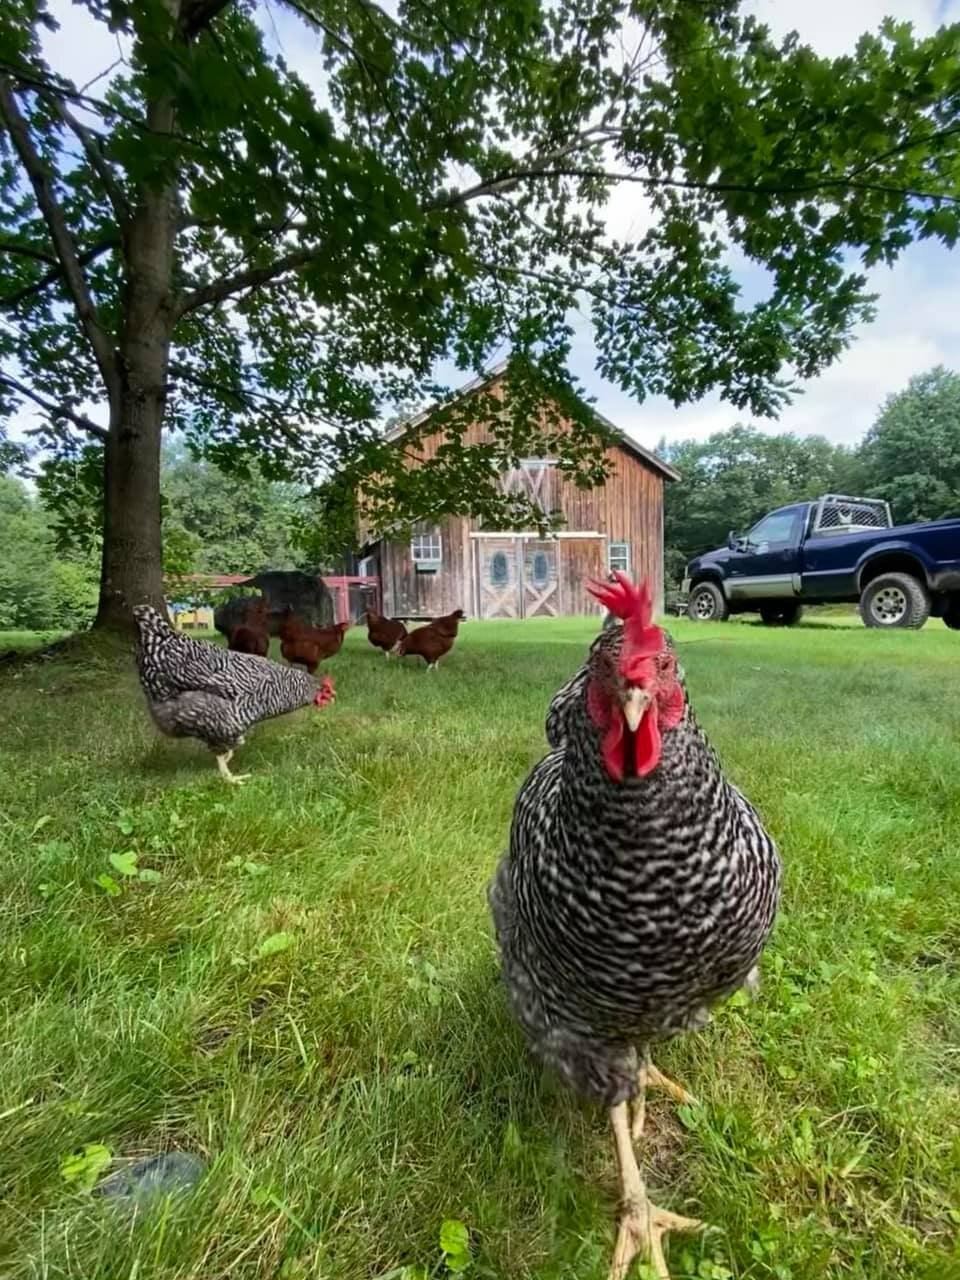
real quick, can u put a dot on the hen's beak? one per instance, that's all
(634, 705)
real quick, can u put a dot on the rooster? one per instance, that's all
(199, 690)
(639, 888)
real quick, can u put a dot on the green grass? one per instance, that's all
(356, 1089)
(25, 641)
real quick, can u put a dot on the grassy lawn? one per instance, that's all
(24, 641)
(354, 1088)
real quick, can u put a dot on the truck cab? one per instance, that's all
(832, 549)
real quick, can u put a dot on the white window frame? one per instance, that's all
(621, 552)
(426, 549)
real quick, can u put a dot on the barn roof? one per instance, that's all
(620, 437)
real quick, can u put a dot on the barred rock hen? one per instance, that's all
(639, 888)
(198, 690)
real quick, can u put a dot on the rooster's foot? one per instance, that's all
(648, 1077)
(642, 1230)
(643, 1225)
(223, 764)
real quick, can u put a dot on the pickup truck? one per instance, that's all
(826, 551)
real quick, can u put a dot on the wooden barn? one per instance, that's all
(493, 574)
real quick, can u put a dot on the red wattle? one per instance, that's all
(612, 749)
(648, 743)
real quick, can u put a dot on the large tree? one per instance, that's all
(911, 454)
(197, 242)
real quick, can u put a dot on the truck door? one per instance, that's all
(767, 558)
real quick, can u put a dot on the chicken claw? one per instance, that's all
(642, 1224)
(223, 764)
(642, 1229)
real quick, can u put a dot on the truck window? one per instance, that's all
(777, 530)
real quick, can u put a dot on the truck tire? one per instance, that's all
(951, 614)
(781, 614)
(707, 604)
(895, 600)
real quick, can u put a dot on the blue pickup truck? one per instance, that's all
(829, 550)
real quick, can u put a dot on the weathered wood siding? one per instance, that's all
(628, 508)
(407, 591)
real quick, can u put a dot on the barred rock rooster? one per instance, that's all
(198, 690)
(639, 889)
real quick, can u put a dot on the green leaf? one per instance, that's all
(455, 1244)
(82, 1168)
(124, 863)
(108, 885)
(149, 876)
(273, 945)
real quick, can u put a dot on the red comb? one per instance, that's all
(641, 639)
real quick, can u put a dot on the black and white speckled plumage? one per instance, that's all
(624, 910)
(199, 690)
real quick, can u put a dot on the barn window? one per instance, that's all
(499, 569)
(541, 569)
(426, 551)
(618, 556)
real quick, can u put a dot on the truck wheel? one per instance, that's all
(782, 614)
(895, 600)
(707, 604)
(951, 614)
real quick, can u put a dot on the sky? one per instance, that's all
(918, 320)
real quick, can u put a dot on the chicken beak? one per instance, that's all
(634, 706)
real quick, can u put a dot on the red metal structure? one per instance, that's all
(368, 589)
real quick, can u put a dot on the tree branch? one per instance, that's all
(98, 161)
(56, 273)
(252, 278)
(27, 251)
(503, 183)
(59, 233)
(55, 411)
(196, 16)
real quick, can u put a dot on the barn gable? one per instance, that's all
(456, 563)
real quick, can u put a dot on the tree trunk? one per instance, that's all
(132, 565)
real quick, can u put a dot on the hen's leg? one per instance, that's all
(223, 764)
(649, 1077)
(643, 1225)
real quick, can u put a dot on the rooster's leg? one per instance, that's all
(642, 1225)
(223, 764)
(649, 1077)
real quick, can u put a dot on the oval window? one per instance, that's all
(541, 569)
(499, 569)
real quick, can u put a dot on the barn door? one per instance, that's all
(541, 580)
(500, 577)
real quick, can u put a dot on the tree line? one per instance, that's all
(213, 522)
(910, 457)
(216, 522)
